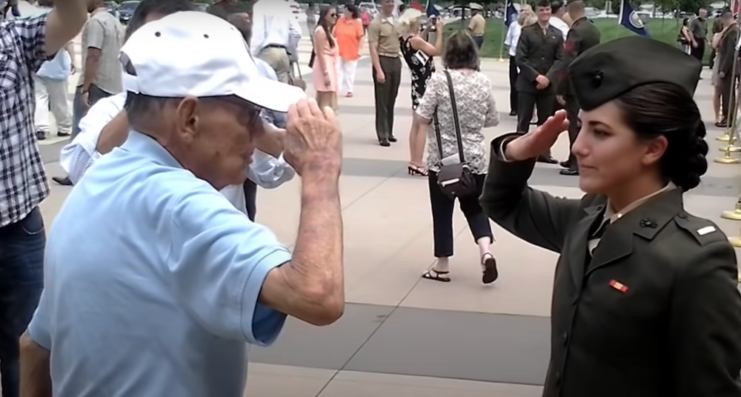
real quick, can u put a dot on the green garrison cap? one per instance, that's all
(609, 70)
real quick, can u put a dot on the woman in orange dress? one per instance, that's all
(324, 69)
(349, 34)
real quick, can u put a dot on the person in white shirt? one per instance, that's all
(557, 14)
(51, 88)
(275, 31)
(526, 17)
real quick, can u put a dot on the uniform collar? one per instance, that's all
(612, 216)
(145, 146)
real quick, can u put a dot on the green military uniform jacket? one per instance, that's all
(537, 54)
(582, 36)
(727, 51)
(653, 312)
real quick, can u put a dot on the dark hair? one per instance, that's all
(461, 52)
(149, 7)
(662, 109)
(556, 6)
(402, 7)
(45, 3)
(139, 108)
(353, 10)
(243, 25)
(325, 24)
(543, 3)
(717, 24)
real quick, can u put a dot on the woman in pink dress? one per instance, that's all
(324, 69)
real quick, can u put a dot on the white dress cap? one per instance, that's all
(197, 54)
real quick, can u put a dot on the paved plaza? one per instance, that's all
(401, 335)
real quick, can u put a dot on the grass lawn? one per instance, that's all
(660, 29)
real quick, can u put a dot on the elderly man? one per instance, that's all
(25, 44)
(170, 267)
(106, 127)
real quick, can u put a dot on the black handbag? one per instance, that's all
(455, 180)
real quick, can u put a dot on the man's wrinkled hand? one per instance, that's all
(312, 143)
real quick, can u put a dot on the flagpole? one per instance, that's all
(620, 18)
(504, 33)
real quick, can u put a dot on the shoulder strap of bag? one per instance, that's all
(436, 124)
(455, 117)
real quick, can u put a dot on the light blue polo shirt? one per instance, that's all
(151, 283)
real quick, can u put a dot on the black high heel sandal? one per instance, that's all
(416, 170)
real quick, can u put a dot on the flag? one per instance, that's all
(510, 13)
(431, 10)
(417, 6)
(630, 20)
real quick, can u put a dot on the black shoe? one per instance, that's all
(513, 113)
(490, 269)
(392, 139)
(569, 172)
(63, 134)
(548, 159)
(40, 135)
(565, 164)
(62, 181)
(384, 143)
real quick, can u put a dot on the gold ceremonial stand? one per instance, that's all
(731, 136)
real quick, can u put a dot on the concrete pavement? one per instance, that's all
(401, 335)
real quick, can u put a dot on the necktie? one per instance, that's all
(600, 230)
(594, 238)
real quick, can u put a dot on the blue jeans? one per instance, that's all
(21, 281)
(79, 110)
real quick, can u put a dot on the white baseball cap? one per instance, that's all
(197, 54)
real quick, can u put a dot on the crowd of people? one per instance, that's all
(178, 118)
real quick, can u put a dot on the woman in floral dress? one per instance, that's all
(418, 55)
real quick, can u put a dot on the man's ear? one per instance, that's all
(188, 118)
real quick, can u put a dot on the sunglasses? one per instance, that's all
(251, 112)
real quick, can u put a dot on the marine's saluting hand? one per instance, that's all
(539, 140)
